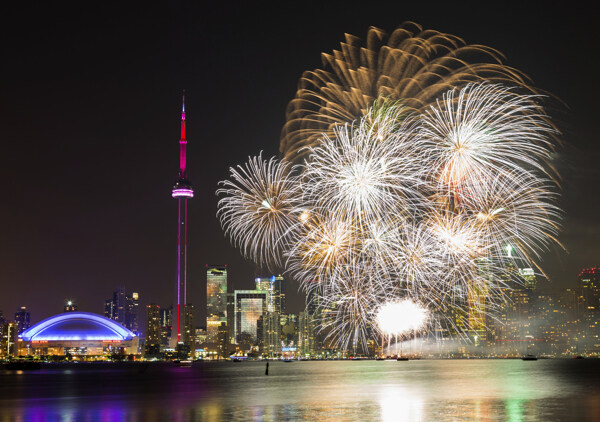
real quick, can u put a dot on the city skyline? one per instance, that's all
(95, 212)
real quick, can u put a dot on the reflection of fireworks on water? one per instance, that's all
(411, 64)
(399, 205)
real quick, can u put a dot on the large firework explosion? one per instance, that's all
(405, 200)
(411, 64)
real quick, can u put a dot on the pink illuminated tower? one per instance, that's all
(182, 191)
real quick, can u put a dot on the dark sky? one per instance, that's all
(89, 125)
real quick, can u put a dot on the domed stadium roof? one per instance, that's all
(72, 326)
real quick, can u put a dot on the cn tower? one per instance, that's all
(182, 191)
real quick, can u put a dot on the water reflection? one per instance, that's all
(324, 391)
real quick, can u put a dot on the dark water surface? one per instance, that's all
(436, 390)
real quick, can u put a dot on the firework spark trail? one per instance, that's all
(413, 65)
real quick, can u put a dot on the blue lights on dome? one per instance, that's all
(73, 326)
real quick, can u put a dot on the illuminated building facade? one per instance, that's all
(250, 305)
(22, 319)
(275, 288)
(306, 335)
(589, 286)
(216, 301)
(269, 326)
(8, 337)
(153, 334)
(182, 191)
(77, 333)
(123, 308)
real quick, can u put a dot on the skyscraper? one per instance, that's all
(216, 301)
(123, 308)
(153, 342)
(275, 288)
(22, 319)
(250, 305)
(182, 191)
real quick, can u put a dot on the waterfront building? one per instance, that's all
(275, 288)
(216, 301)
(269, 325)
(306, 335)
(589, 286)
(182, 191)
(188, 335)
(22, 319)
(8, 337)
(250, 305)
(166, 327)
(153, 332)
(77, 333)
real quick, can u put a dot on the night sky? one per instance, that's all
(89, 127)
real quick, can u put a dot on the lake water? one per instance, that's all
(428, 390)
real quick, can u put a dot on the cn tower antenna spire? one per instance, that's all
(182, 140)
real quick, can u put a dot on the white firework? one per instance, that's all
(257, 210)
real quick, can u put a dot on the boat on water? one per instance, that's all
(529, 357)
(183, 363)
(401, 358)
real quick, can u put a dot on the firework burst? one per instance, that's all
(402, 201)
(411, 64)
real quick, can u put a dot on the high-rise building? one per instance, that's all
(153, 332)
(22, 319)
(131, 312)
(270, 327)
(250, 305)
(275, 288)
(182, 191)
(589, 286)
(216, 301)
(8, 336)
(306, 334)
(123, 308)
(166, 325)
(188, 333)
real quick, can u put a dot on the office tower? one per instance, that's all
(131, 312)
(70, 306)
(22, 319)
(275, 288)
(589, 286)
(153, 340)
(123, 308)
(216, 301)
(306, 334)
(250, 305)
(182, 191)
(223, 340)
(271, 333)
(166, 325)
(8, 337)
(528, 277)
(188, 332)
